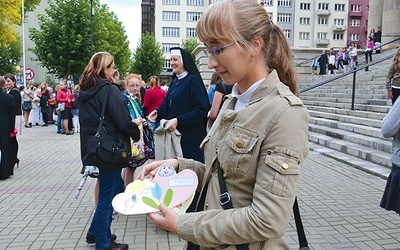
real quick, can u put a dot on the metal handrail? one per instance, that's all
(310, 59)
(354, 72)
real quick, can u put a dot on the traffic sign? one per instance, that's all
(30, 74)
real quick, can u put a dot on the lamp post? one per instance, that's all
(23, 44)
(91, 27)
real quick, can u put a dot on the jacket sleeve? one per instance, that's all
(278, 166)
(199, 101)
(61, 97)
(391, 122)
(389, 78)
(119, 113)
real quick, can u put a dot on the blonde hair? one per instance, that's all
(96, 70)
(237, 24)
(396, 60)
(153, 82)
(133, 76)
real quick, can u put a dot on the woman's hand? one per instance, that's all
(390, 94)
(153, 116)
(173, 124)
(152, 168)
(168, 220)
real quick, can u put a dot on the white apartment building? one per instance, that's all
(320, 24)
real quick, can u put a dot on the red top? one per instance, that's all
(63, 95)
(153, 99)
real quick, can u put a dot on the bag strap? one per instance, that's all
(103, 110)
(299, 227)
(225, 200)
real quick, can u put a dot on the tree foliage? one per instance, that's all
(10, 56)
(63, 41)
(148, 58)
(190, 44)
(10, 12)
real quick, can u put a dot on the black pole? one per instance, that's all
(91, 27)
(354, 90)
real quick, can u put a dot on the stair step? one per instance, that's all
(366, 166)
(362, 152)
(374, 143)
(363, 107)
(348, 112)
(347, 118)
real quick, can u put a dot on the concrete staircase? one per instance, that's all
(351, 136)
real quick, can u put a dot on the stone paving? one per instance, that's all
(38, 209)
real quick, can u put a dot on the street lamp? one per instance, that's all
(91, 27)
(23, 43)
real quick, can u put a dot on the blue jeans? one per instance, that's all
(155, 125)
(110, 185)
(59, 130)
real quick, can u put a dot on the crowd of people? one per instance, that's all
(346, 58)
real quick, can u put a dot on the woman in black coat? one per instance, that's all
(95, 84)
(7, 124)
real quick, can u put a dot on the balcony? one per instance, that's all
(356, 13)
(323, 12)
(322, 41)
(339, 28)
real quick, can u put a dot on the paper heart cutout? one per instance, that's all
(174, 190)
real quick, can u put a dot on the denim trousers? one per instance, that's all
(110, 185)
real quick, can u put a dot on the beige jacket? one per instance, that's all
(392, 78)
(261, 150)
(167, 144)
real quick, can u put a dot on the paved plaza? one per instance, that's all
(38, 209)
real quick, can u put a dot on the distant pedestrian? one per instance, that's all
(378, 35)
(323, 60)
(391, 129)
(331, 63)
(340, 55)
(346, 59)
(370, 48)
(11, 85)
(393, 78)
(153, 99)
(75, 109)
(314, 65)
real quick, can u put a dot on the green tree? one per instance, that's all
(63, 41)
(190, 44)
(148, 58)
(10, 12)
(10, 56)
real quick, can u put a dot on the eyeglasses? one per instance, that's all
(217, 51)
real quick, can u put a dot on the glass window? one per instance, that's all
(355, 22)
(323, 6)
(338, 36)
(190, 32)
(354, 37)
(356, 7)
(171, 15)
(338, 21)
(322, 35)
(167, 46)
(195, 2)
(170, 31)
(267, 3)
(171, 2)
(323, 21)
(305, 20)
(305, 6)
(193, 16)
(284, 3)
(287, 33)
(340, 7)
(284, 18)
(167, 63)
(304, 36)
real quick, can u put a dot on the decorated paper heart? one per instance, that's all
(174, 190)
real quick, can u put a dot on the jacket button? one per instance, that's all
(285, 165)
(239, 144)
(222, 121)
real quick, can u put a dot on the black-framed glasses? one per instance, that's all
(217, 51)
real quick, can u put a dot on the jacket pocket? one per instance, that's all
(282, 172)
(241, 151)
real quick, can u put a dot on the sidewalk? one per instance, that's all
(38, 209)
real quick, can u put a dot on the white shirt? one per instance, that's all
(244, 98)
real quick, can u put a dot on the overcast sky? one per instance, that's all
(130, 14)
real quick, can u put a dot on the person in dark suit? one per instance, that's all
(322, 60)
(7, 124)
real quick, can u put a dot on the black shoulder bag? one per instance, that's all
(103, 148)
(226, 203)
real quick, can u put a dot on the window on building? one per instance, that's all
(287, 33)
(355, 22)
(170, 15)
(195, 2)
(304, 35)
(322, 35)
(270, 15)
(166, 47)
(305, 6)
(170, 31)
(215, 1)
(323, 6)
(340, 7)
(323, 21)
(284, 18)
(267, 2)
(355, 37)
(190, 32)
(337, 21)
(171, 2)
(355, 7)
(167, 63)
(193, 16)
(305, 20)
(338, 36)
(284, 3)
